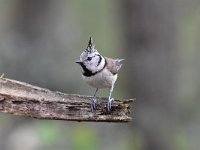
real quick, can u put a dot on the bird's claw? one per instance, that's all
(93, 104)
(109, 104)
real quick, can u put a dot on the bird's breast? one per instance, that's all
(103, 79)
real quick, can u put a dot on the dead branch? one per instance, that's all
(23, 99)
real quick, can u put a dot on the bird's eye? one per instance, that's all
(89, 58)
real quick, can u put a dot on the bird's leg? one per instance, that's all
(110, 99)
(93, 103)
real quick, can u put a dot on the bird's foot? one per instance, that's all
(93, 104)
(109, 104)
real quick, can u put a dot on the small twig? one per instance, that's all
(23, 99)
(2, 76)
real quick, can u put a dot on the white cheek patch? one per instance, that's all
(101, 64)
(95, 62)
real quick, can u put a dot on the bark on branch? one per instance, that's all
(23, 99)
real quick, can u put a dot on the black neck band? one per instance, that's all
(89, 73)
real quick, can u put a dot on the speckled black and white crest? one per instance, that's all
(91, 47)
(90, 51)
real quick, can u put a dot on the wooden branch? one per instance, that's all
(23, 99)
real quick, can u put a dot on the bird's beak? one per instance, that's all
(78, 61)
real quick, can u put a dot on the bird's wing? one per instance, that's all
(113, 65)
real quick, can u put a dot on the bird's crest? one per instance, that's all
(90, 48)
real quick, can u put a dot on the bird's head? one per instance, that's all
(90, 59)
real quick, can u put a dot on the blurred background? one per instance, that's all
(41, 39)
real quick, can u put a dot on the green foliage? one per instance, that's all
(48, 133)
(83, 138)
(181, 140)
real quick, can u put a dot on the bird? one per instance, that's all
(99, 71)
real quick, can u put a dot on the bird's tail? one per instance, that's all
(118, 63)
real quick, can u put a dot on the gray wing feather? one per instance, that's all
(114, 65)
(118, 64)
